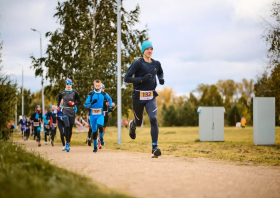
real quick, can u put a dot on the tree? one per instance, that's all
(233, 116)
(84, 47)
(211, 97)
(7, 97)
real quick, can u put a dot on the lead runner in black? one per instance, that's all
(144, 95)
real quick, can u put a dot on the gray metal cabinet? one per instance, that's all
(264, 120)
(211, 123)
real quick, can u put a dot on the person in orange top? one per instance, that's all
(243, 122)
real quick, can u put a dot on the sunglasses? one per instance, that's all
(68, 83)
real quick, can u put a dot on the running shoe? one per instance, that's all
(132, 131)
(64, 148)
(99, 144)
(94, 149)
(102, 142)
(89, 141)
(46, 143)
(68, 147)
(52, 143)
(39, 144)
(156, 152)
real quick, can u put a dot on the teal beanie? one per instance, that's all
(145, 45)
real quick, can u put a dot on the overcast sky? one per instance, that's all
(196, 42)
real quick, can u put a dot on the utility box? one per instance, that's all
(211, 123)
(264, 120)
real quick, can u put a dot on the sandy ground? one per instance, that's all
(141, 176)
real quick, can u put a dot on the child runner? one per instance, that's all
(144, 83)
(94, 103)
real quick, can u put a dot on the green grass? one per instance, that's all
(184, 141)
(25, 174)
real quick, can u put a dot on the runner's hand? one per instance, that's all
(146, 78)
(161, 81)
(94, 101)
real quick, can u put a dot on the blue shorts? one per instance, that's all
(95, 120)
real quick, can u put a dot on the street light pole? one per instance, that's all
(43, 100)
(22, 96)
(22, 92)
(119, 71)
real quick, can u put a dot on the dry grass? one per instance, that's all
(184, 141)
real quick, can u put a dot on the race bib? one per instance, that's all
(47, 126)
(96, 112)
(146, 95)
(36, 124)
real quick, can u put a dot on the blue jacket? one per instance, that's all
(100, 98)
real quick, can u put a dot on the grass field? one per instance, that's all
(184, 141)
(24, 174)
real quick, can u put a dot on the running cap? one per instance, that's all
(145, 45)
(68, 82)
(50, 105)
(38, 106)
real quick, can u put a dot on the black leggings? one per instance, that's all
(53, 133)
(37, 133)
(151, 109)
(60, 124)
(68, 126)
(27, 133)
(47, 132)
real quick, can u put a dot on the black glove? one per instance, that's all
(94, 101)
(110, 109)
(146, 78)
(161, 81)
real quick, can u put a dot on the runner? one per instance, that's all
(37, 119)
(22, 124)
(52, 115)
(105, 108)
(46, 119)
(12, 127)
(27, 131)
(94, 103)
(68, 98)
(144, 83)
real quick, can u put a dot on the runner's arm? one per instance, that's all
(59, 100)
(131, 70)
(160, 75)
(87, 102)
(109, 99)
(77, 99)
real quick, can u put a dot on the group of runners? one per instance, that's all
(142, 73)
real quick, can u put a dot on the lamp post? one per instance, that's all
(43, 100)
(119, 71)
(22, 93)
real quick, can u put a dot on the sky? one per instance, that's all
(196, 42)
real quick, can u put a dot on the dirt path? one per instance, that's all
(168, 176)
